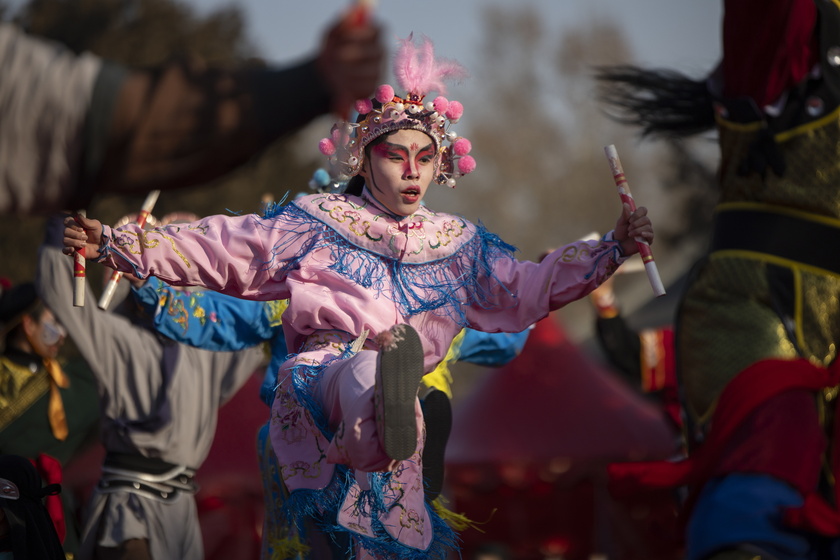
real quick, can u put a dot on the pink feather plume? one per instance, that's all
(418, 71)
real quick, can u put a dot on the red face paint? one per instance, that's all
(399, 170)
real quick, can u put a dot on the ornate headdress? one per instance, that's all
(419, 73)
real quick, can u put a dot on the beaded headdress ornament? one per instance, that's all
(418, 73)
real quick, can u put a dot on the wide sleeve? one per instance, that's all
(520, 293)
(236, 255)
(208, 320)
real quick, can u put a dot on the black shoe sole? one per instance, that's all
(400, 371)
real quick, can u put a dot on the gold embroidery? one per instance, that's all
(21, 388)
(447, 233)
(152, 244)
(358, 528)
(356, 221)
(410, 519)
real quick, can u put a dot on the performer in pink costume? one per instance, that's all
(379, 285)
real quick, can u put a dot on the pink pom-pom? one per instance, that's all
(326, 146)
(455, 110)
(384, 93)
(441, 104)
(462, 147)
(466, 165)
(364, 106)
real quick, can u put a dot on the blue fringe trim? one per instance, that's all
(323, 505)
(415, 288)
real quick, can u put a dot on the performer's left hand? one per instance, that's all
(631, 226)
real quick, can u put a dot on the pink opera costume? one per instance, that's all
(351, 270)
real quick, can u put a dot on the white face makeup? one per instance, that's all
(399, 169)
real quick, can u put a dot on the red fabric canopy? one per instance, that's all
(528, 452)
(553, 401)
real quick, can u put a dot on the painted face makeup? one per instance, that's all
(45, 334)
(399, 169)
(52, 333)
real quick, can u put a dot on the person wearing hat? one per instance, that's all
(378, 287)
(26, 530)
(48, 408)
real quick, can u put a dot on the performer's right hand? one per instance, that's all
(82, 232)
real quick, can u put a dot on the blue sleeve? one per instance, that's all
(206, 319)
(491, 349)
(278, 356)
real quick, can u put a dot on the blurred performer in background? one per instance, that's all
(48, 406)
(73, 126)
(644, 358)
(759, 328)
(159, 402)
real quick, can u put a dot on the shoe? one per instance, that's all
(397, 381)
(437, 413)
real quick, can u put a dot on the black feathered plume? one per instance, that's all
(661, 102)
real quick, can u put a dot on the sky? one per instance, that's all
(681, 34)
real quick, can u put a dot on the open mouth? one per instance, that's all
(411, 194)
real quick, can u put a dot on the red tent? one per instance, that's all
(532, 441)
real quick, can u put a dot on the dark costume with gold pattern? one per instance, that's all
(759, 326)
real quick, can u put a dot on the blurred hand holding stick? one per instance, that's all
(627, 197)
(111, 287)
(359, 13)
(357, 17)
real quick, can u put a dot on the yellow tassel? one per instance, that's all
(290, 547)
(457, 521)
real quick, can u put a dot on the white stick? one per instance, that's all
(111, 287)
(626, 196)
(79, 274)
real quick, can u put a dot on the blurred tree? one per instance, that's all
(542, 177)
(147, 33)
(538, 133)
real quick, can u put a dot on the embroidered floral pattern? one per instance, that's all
(301, 468)
(355, 217)
(178, 312)
(410, 519)
(356, 224)
(448, 232)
